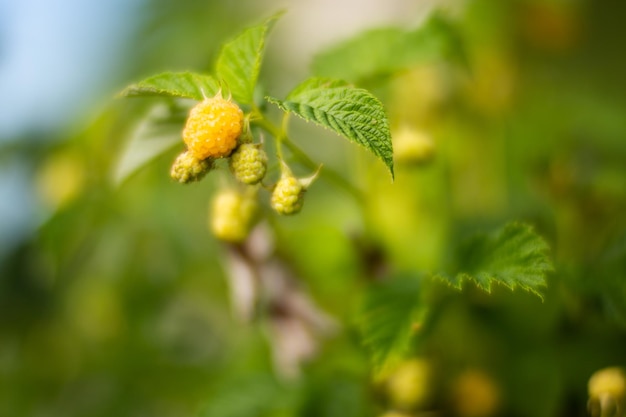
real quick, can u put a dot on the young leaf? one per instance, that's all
(155, 134)
(352, 112)
(171, 84)
(387, 50)
(387, 319)
(514, 256)
(239, 62)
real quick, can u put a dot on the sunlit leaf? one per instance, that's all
(172, 84)
(156, 133)
(514, 256)
(239, 62)
(352, 112)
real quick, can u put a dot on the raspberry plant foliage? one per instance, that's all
(349, 111)
(514, 256)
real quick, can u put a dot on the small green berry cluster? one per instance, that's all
(218, 129)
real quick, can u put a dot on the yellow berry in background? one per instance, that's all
(607, 393)
(412, 146)
(475, 394)
(60, 179)
(233, 214)
(213, 127)
(408, 386)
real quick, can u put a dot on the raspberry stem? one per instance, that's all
(283, 139)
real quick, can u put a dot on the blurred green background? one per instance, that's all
(114, 298)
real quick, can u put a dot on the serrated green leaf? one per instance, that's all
(387, 50)
(352, 112)
(514, 256)
(175, 84)
(387, 318)
(239, 62)
(156, 133)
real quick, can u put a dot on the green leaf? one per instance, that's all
(387, 318)
(605, 279)
(514, 256)
(387, 50)
(352, 112)
(156, 133)
(172, 84)
(239, 62)
(253, 395)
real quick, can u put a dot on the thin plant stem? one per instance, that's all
(282, 139)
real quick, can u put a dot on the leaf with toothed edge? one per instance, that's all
(239, 62)
(174, 84)
(514, 256)
(351, 112)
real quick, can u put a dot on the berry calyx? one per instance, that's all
(248, 163)
(212, 128)
(187, 168)
(233, 214)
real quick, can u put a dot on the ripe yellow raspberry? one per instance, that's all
(248, 163)
(188, 168)
(287, 197)
(233, 215)
(213, 127)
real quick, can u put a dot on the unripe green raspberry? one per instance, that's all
(248, 163)
(187, 168)
(233, 215)
(213, 127)
(287, 197)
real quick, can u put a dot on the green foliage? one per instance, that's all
(156, 133)
(385, 51)
(171, 84)
(607, 279)
(121, 302)
(255, 395)
(514, 256)
(239, 62)
(387, 319)
(352, 112)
